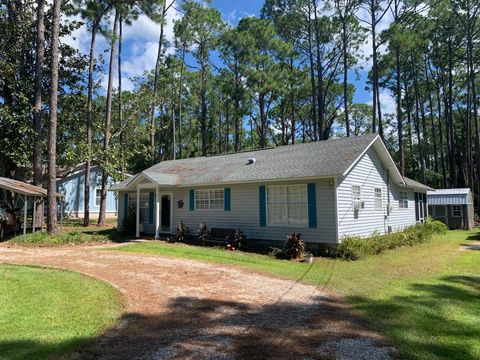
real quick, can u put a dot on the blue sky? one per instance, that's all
(141, 43)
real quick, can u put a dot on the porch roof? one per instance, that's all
(23, 188)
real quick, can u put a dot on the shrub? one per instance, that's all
(354, 247)
(294, 246)
(181, 233)
(202, 233)
(238, 241)
(129, 223)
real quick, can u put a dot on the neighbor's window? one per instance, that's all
(402, 199)
(378, 198)
(209, 199)
(457, 210)
(287, 205)
(98, 196)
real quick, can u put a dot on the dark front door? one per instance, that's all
(165, 214)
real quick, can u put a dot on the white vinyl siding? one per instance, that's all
(287, 205)
(369, 174)
(245, 214)
(209, 199)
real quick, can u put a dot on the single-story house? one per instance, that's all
(453, 207)
(72, 187)
(325, 190)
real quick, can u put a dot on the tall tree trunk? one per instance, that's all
(88, 162)
(37, 116)
(451, 129)
(120, 100)
(262, 132)
(155, 87)
(312, 74)
(180, 104)
(108, 120)
(203, 111)
(52, 131)
(345, 76)
(374, 68)
(401, 154)
(432, 121)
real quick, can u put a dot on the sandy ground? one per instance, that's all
(471, 246)
(184, 309)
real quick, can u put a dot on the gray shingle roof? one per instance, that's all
(415, 184)
(316, 159)
(456, 191)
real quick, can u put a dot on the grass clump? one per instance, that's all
(63, 238)
(354, 247)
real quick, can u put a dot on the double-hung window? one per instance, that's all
(209, 199)
(457, 211)
(378, 199)
(98, 196)
(402, 200)
(287, 205)
(144, 204)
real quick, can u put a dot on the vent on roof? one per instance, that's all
(251, 161)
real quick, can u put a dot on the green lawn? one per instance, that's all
(46, 312)
(426, 298)
(72, 232)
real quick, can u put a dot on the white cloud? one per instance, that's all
(139, 46)
(387, 102)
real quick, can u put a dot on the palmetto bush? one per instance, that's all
(354, 247)
(294, 246)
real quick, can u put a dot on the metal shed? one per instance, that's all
(453, 207)
(37, 196)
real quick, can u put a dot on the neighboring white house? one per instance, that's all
(325, 190)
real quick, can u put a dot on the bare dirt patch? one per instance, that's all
(184, 309)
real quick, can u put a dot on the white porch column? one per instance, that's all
(157, 213)
(137, 227)
(25, 208)
(34, 214)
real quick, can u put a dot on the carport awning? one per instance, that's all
(23, 188)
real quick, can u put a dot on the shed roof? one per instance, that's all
(459, 191)
(23, 188)
(460, 196)
(329, 158)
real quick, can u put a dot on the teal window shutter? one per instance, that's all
(192, 199)
(312, 205)
(125, 203)
(150, 207)
(262, 200)
(226, 199)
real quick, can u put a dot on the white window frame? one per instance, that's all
(357, 197)
(210, 199)
(132, 201)
(95, 197)
(285, 205)
(378, 200)
(453, 211)
(403, 199)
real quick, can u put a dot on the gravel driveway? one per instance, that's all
(185, 309)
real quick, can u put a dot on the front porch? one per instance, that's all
(154, 210)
